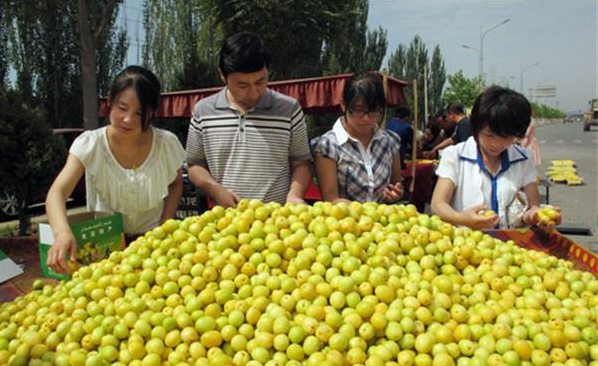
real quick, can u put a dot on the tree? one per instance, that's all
(31, 155)
(57, 78)
(112, 49)
(544, 111)
(43, 43)
(185, 37)
(179, 44)
(397, 61)
(297, 31)
(411, 62)
(437, 80)
(95, 18)
(351, 46)
(375, 49)
(3, 48)
(462, 89)
(23, 53)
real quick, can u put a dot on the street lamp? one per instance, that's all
(482, 36)
(480, 51)
(524, 69)
(479, 65)
(471, 48)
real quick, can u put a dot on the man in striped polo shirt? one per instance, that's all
(248, 141)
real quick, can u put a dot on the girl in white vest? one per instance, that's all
(486, 171)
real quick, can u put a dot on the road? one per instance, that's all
(579, 203)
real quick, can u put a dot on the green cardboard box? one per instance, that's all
(97, 235)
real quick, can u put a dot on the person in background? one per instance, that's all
(401, 125)
(455, 116)
(530, 141)
(130, 167)
(248, 141)
(488, 169)
(431, 137)
(357, 160)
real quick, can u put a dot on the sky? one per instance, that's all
(554, 42)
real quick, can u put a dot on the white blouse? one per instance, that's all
(137, 194)
(474, 186)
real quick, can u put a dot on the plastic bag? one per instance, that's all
(516, 210)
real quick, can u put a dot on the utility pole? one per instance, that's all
(425, 95)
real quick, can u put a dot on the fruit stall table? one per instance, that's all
(25, 252)
(200, 290)
(425, 180)
(552, 243)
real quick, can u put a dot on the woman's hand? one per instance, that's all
(474, 219)
(64, 243)
(545, 218)
(392, 192)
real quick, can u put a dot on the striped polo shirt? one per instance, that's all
(249, 152)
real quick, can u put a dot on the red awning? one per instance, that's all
(316, 96)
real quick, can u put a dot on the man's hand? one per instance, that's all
(225, 197)
(392, 192)
(64, 243)
(291, 198)
(473, 218)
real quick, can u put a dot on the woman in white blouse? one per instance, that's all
(130, 167)
(486, 171)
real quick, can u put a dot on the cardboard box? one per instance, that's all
(97, 235)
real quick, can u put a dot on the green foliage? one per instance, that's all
(293, 29)
(3, 48)
(544, 111)
(180, 44)
(42, 46)
(375, 49)
(462, 89)
(306, 37)
(412, 62)
(31, 155)
(111, 53)
(437, 80)
(351, 47)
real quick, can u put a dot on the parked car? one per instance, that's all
(9, 204)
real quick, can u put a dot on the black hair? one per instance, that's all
(243, 52)
(455, 108)
(403, 112)
(434, 128)
(146, 86)
(368, 86)
(440, 114)
(506, 112)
